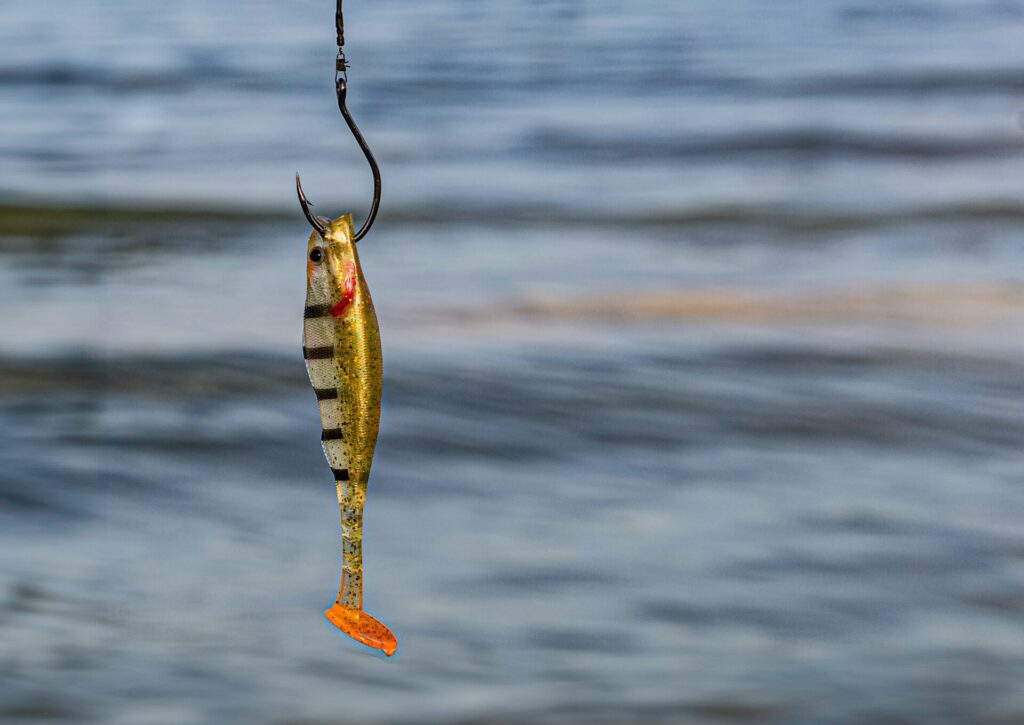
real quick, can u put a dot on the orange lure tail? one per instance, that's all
(363, 628)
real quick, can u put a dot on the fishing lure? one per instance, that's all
(341, 346)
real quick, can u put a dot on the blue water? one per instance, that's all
(702, 322)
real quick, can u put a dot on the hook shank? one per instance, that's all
(375, 204)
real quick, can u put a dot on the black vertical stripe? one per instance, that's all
(326, 393)
(340, 474)
(318, 353)
(331, 434)
(313, 311)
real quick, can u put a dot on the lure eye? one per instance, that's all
(316, 255)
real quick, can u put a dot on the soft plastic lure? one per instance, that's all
(341, 345)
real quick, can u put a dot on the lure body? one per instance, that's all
(341, 346)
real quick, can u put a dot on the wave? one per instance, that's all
(913, 82)
(812, 142)
(223, 374)
(64, 76)
(945, 306)
(41, 218)
(460, 83)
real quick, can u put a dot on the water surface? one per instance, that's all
(703, 357)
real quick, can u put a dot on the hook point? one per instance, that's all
(316, 222)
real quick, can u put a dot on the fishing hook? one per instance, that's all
(341, 88)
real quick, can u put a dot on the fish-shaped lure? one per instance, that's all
(341, 345)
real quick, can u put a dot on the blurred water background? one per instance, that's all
(702, 321)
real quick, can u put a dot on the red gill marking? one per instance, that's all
(348, 291)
